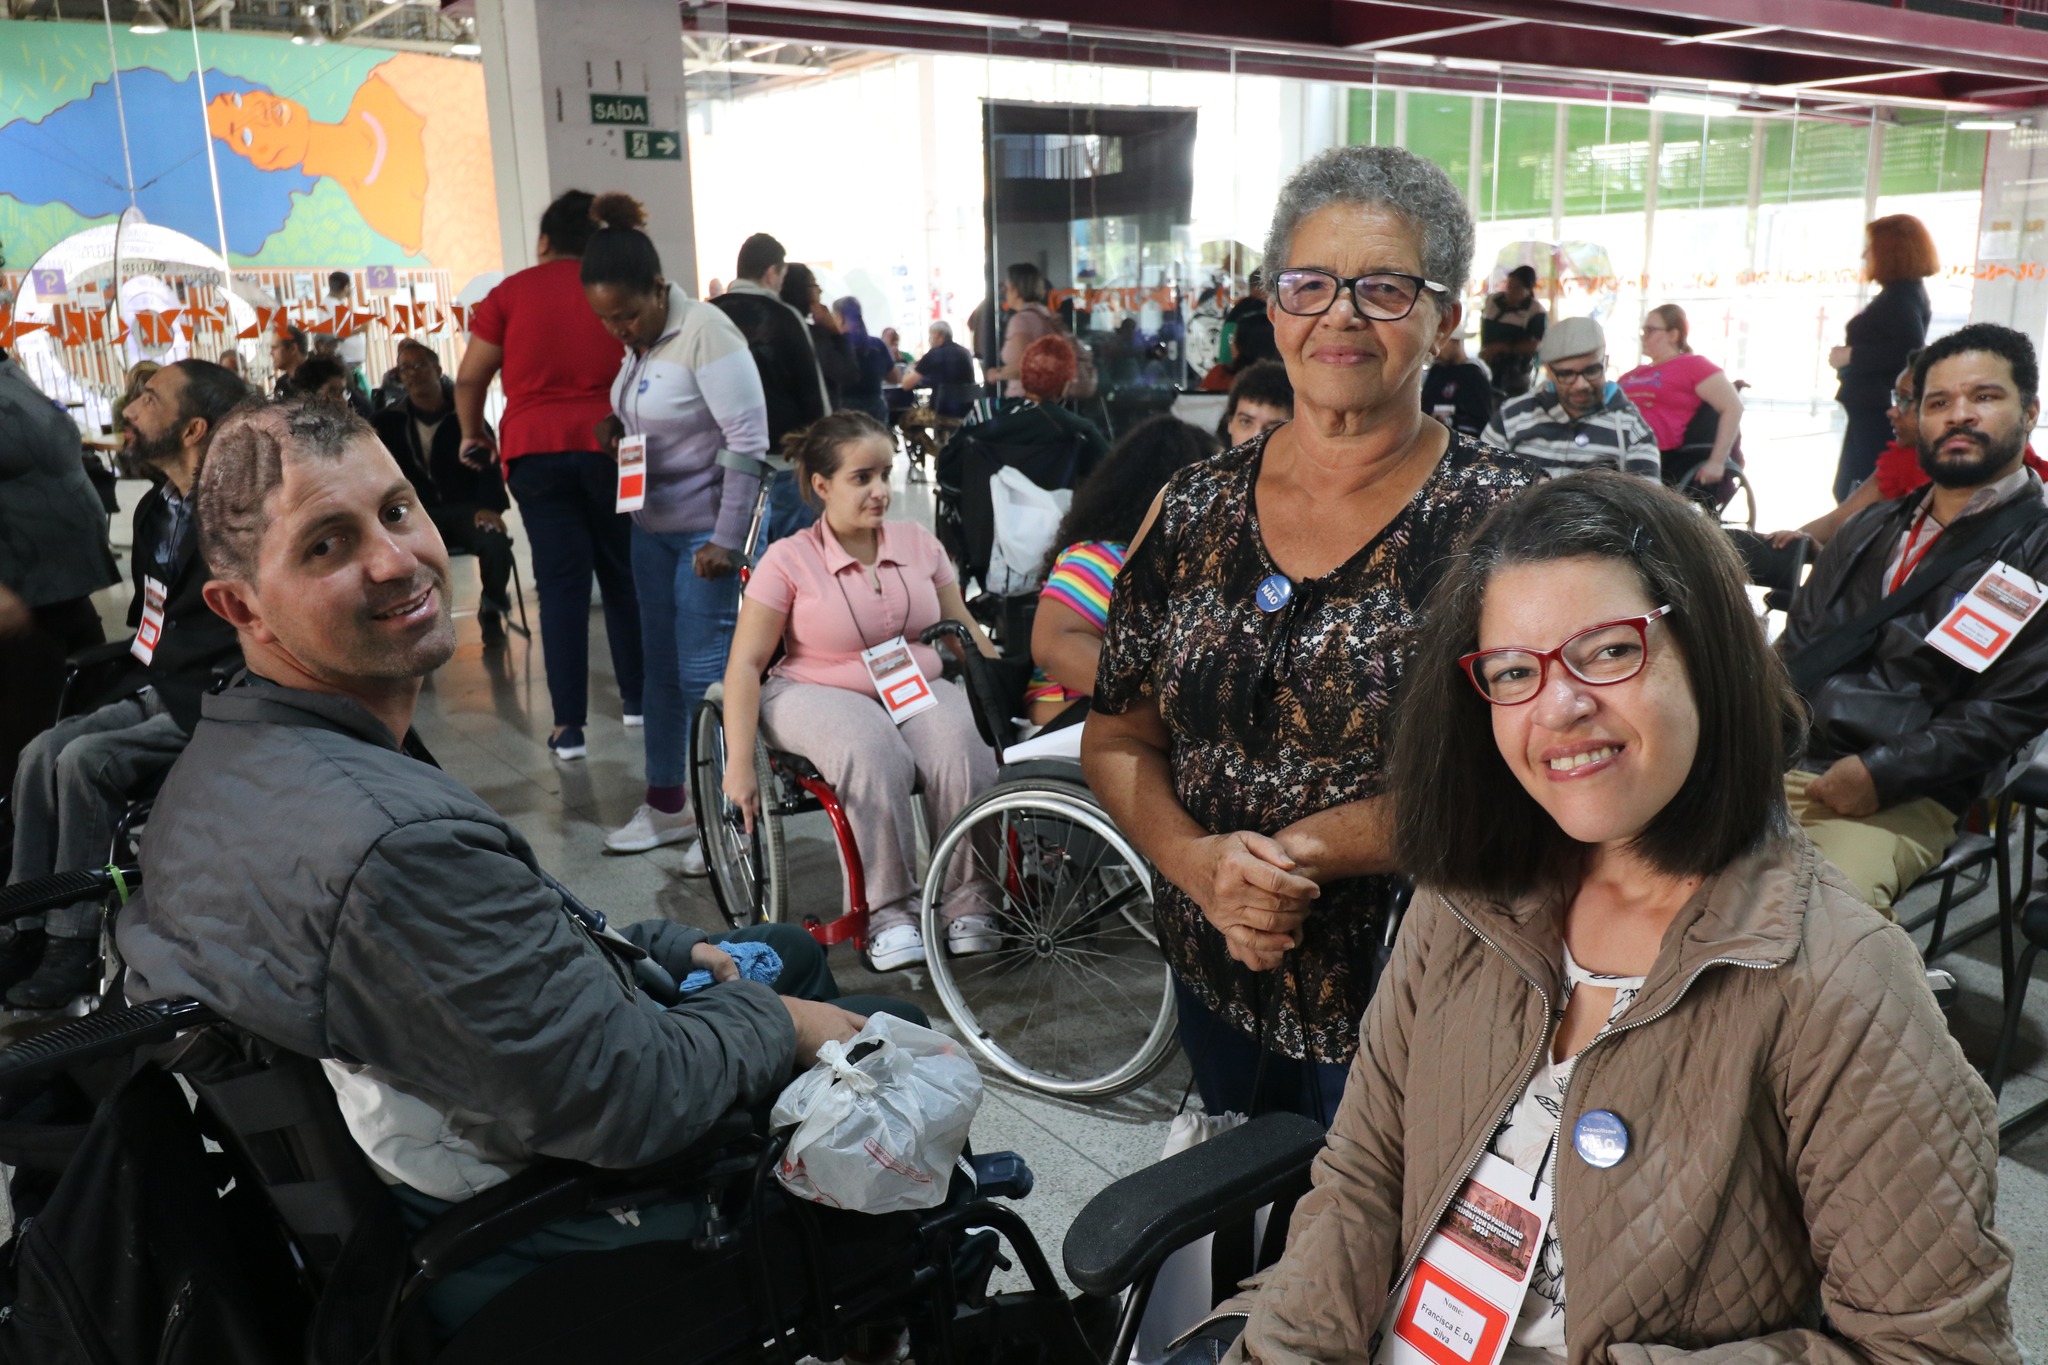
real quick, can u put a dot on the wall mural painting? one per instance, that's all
(331, 157)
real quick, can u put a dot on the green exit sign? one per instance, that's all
(651, 145)
(618, 109)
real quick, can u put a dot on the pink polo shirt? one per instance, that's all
(834, 610)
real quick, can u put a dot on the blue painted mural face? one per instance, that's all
(73, 157)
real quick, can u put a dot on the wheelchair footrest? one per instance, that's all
(849, 927)
(61, 888)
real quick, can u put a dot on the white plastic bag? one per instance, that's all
(1027, 518)
(880, 1120)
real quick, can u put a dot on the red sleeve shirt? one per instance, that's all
(559, 360)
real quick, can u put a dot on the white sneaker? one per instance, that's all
(971, 934)
(693, 859)
(650, 828)
(896, 947)
(633, 722)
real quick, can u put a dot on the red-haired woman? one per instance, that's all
(1898, 254)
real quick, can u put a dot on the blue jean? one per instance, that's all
(1227, 1068)
(686, 628)
(788, 513)
(566, 498)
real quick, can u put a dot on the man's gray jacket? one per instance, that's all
(327, 891)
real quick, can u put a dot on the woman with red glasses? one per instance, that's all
(1645, 1081)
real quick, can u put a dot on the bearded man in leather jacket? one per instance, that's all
(1946, 693)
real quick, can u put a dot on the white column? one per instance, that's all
(2012, 235)
(543, 61)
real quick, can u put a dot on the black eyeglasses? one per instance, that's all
(1591, 374)
(1383, 296)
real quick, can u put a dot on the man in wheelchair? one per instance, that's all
(76, 777)
(316, 880)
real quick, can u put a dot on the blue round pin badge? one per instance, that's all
(1274, 593)
(1600, 1138)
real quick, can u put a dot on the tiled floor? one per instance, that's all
(486, 717)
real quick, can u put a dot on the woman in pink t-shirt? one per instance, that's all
(848, 584)
(1673, 387)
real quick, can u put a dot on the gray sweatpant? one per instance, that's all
(74, 781)
(872, 763)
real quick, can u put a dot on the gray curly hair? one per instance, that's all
(1413, 187)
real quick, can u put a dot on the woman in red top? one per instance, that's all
(557, 362)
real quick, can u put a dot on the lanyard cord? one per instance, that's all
(1909, 561)
(855, 616)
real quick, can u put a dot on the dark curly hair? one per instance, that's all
(1111, 503)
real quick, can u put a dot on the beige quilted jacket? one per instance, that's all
(1804, 1137)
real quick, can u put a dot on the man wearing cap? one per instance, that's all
(1576, 419)
(1510, 328)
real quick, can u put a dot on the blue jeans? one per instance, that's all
(788, 513)
(566, 500)
(686, 627)
(1226, 1064)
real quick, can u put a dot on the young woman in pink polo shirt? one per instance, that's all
(854, 692)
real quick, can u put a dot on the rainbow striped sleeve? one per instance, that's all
(1082, 578)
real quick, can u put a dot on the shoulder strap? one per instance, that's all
(1853, 638)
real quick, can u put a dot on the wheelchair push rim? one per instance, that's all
(746, 869)
(1078, 1001)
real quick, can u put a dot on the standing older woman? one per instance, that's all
(1025, 291)
(1259, 628)
(1898, 253)
(1632, 997)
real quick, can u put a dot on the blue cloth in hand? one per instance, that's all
(756, 961)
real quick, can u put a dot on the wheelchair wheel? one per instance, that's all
(749, 872)
(1077, 1000)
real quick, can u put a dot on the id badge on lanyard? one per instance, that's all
(1984, 620)
(1460, 1303)
(632, 473)
(898, 679)
(154, 594)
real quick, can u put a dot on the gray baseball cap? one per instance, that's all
(1573, 336)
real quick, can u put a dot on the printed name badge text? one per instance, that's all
(1985, 620)
(154, 594)
(898, 679)
(632, 473)
(1460, 1303)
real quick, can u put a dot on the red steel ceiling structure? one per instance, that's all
(1763, 56)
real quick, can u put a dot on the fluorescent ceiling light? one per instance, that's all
(1670, 102)
(148, 19)
(1986, 125)
(1405, 58)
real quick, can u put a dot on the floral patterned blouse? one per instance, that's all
(1274, 716)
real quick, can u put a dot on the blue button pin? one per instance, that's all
(1274, 593)
(1601, 1138)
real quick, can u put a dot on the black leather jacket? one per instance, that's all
(1923, 724)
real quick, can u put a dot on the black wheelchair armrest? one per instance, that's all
(1130, 1227)
(109, 1033)
(64, 888)
(96, 656)
(551, 1190)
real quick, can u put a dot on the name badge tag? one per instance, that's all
(1459, 1304)
(151, 630)
(632, 473)
(898, 680)
(1984, 620)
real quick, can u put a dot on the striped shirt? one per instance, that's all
(1612, 436)
(1081, 580)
